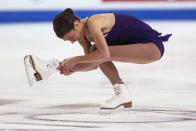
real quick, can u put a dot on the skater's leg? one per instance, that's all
(110, 71)
(108, 68)
(135, 53)
(81, 67)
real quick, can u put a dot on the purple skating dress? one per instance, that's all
(130, 30)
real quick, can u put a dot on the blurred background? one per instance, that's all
(26, 28)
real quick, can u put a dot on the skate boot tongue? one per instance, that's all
(116, 89)
(53, 65)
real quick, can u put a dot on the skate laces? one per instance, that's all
(117, 93)
(52, 65)
(117, 90)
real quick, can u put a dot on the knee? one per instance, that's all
(156, 57)
(153, 56)
(151, 59)
(95, 68)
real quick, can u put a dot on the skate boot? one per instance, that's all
(38, 69)
(121, 97)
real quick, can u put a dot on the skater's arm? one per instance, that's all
(102, 53)
(86, 46)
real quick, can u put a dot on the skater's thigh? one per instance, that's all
(135, 53)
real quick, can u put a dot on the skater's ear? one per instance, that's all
(76, 24)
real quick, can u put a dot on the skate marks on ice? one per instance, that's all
(95, 115)
(74, 106)
(89, 116)
(9, 101)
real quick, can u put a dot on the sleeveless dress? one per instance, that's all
(130, 30)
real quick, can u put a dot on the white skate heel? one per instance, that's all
(38, 69)
(121, 98)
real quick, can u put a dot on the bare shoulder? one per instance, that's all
(106, 20)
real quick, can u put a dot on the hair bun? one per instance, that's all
(69, 11)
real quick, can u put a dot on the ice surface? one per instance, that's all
(163, 92)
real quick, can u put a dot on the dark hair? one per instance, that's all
(64, 22)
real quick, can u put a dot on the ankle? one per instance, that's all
(118, 82)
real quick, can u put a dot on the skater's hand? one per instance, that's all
(64, 70)
(65, 67)
(69, 63)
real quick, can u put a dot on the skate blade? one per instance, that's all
(37, 75)
(28, 72)
(126, 105)
(117, 110)
(29, 64)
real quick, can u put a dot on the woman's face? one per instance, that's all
(74, 34)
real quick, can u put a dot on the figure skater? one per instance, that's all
(116, 37)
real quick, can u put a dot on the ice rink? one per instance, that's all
(164, 92)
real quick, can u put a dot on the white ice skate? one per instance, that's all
(38, 69)
(121, 97)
